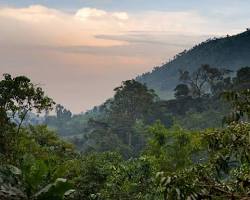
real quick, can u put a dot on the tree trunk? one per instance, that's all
(129, 139)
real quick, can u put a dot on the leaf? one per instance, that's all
(69, 192)
(54, 191)
(14, 170)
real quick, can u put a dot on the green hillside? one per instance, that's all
(231, 52)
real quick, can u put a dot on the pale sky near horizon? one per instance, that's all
(79, 50)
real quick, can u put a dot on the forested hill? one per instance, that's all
(231, 52)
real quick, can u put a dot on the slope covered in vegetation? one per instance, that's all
(170, 162)
(231, 52)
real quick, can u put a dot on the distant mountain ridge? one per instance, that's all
(231, 52)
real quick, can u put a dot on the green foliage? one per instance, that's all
(202, 120)
(240, 103)
(17, 184)
(54, 191)
(132, 101)
(34, 173)
(43, 158)
(120, 123)
(231, 144)
(223, 176)
(11, 186)
(18, 97)
(173, 149)
(131, 149)
(94, 171)
(132, 179)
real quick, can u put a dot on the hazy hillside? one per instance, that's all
(232, 52)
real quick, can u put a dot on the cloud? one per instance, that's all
(121, 15)
(157, 38)
(39, 25)
(46, 26)
(86, 13)
(80, 56)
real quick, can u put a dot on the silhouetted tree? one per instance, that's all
(203, 80)
(62, 113)
(181, 91)
(18, 97)
(242, 80)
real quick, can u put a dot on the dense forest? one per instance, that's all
(136, 145)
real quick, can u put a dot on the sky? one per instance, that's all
(79, 50)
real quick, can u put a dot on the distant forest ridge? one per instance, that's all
(231, 52)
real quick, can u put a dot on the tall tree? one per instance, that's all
(132, 101)
(18, 96)
(203, 80)
(62, 113)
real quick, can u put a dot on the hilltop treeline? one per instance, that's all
(230, 52)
